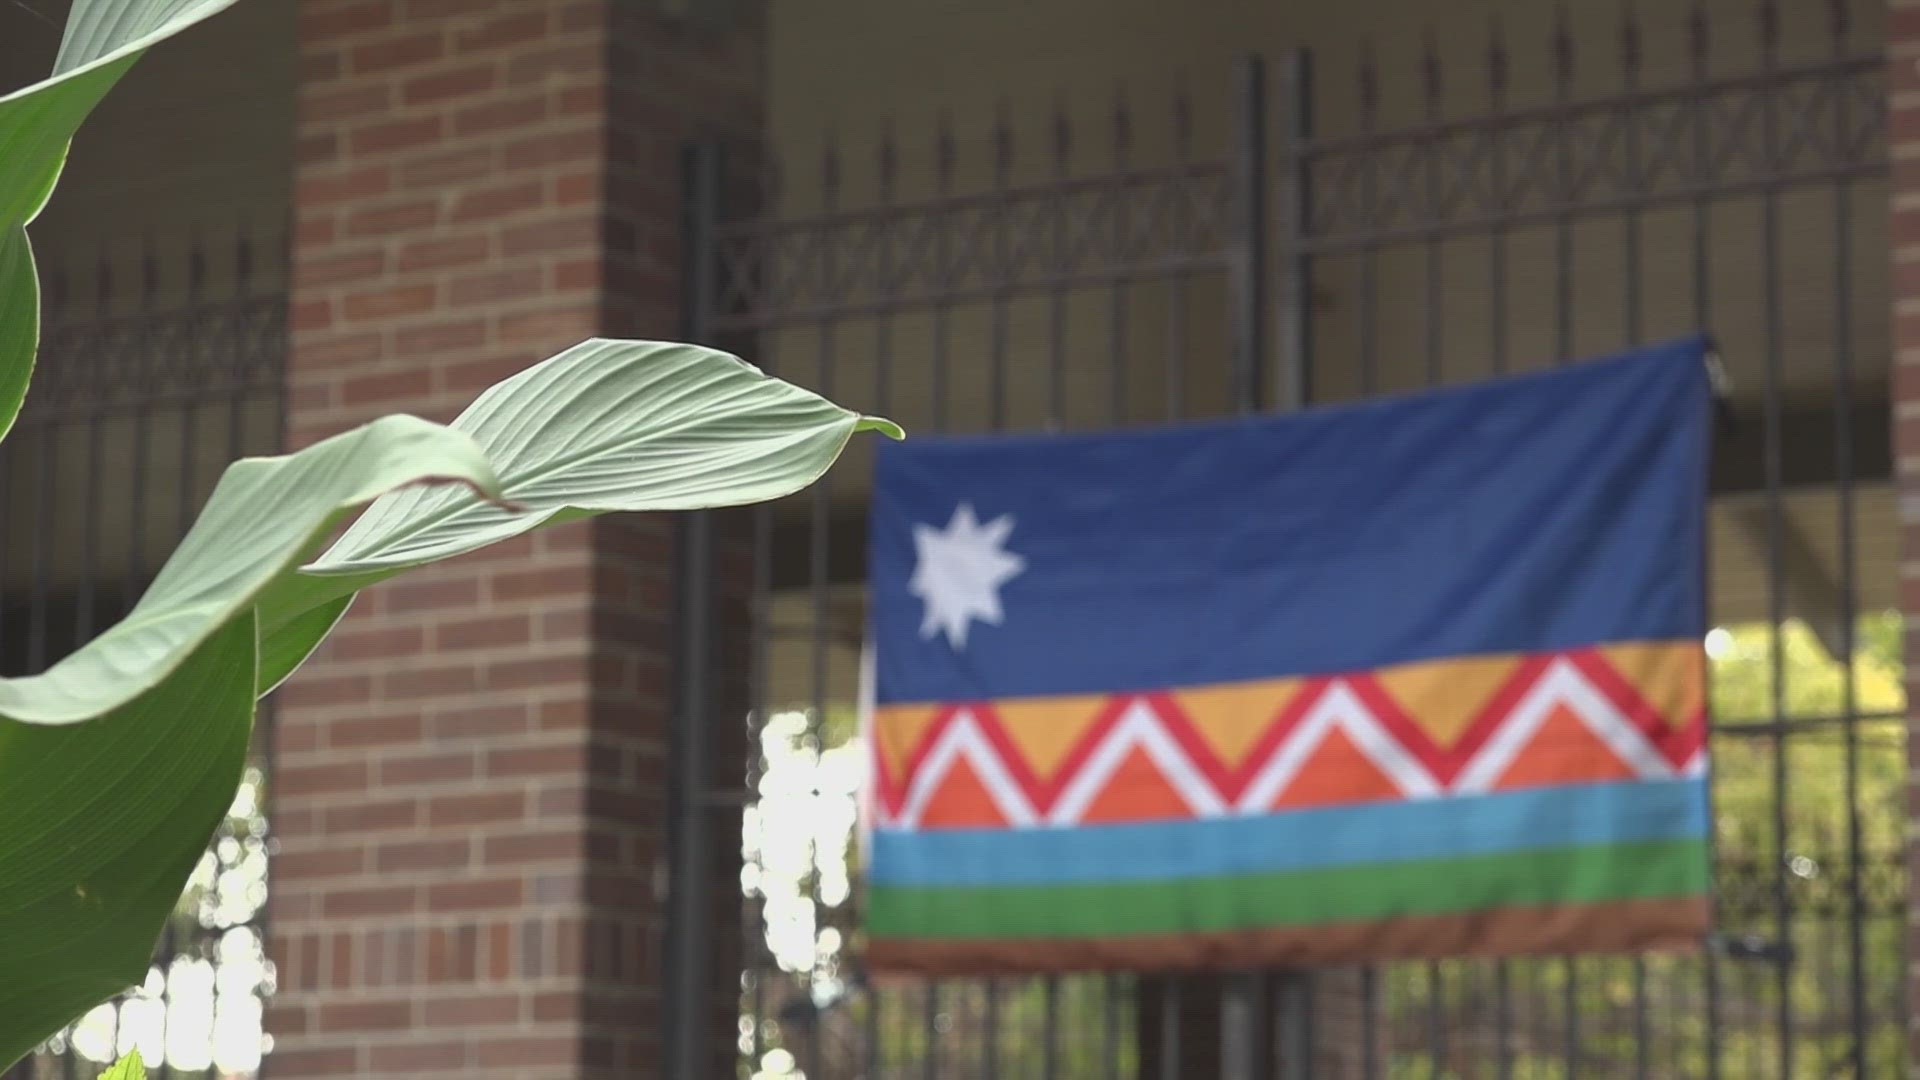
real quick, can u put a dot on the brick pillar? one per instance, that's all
(1903, 127)
(470, 784)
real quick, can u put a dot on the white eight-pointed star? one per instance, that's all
(959, 571)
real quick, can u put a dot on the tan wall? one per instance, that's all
(200, 133)
(194, 147)
(857, 67)
(849, 70)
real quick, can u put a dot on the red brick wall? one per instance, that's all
(470, 785)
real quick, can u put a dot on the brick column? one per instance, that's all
(470, 785)
(1903, 134)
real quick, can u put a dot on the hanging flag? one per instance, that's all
(1417, 677)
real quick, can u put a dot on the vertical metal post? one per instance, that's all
(1843, 372)
(687, 926)
(1240, 994)
(1242, 1005)
(1247, 265)
(1293, 331)
(1773, 451)
(819, 563)
(1291, 381)
(1269, 370)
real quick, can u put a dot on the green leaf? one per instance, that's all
(604, 426)
(19, 322)
(127, 1068)
(100, 827)
(101, 30)
(104, 38)
(610, 425)
(264, 517)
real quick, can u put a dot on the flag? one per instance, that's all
(1416, 677)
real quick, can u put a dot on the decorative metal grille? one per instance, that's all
(1322, 256)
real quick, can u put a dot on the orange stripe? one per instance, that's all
(1230, 730)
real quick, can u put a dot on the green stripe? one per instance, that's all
(1653, 869)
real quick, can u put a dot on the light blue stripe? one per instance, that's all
(1540, 818)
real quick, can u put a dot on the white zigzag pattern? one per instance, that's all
(1338, 708)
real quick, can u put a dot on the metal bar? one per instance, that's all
(1571, 1006)
(1563, 219)
(1139, 271)
(1292, 378)
(930, 1065)
(1870, 64)
(688, 932)
(944, 165)
(871, 1027)
(1702, 281)
(1247, 267)
(1843, 296)
(1294, 1014)
(945, 203)
(1431, 57)
(1367, 311)
(1002, 244)
(1333, 242)
(819, 596)
(1630, 217)
(1239, 1027)
(1241, 995)
(944, 168)
(1497, 242)
(1370, 1023)
(1057, 302)
(1050, 1028)
(1497, 333)
(1175, 368)
(169, 949)
(1770, 249)
(889, 282)
(1169, 1030)
(1117, 300)
(1631, 304)
(872, 1058)
(1563, 352)
(990, 1028)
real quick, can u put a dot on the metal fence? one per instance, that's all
(1726, 178)
(158, 365)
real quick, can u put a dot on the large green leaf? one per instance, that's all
(100, 826)
(19, 322)
(263, 518)
(604, 426)
(104, 38)
(100, 30)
